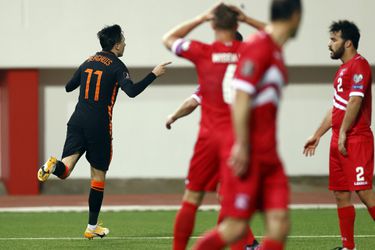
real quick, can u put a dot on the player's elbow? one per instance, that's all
(68, 89)
(131, 94)
(168, 41)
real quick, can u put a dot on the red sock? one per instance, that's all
(183, 226)
(269, 244)
(248, 239)
(371, 210)
(346, 219)
(220, 218)
(210, 241)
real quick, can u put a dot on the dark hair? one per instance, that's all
(239, 36)
(284, 9)
(349, 31)
(109, 36)
(225, 18)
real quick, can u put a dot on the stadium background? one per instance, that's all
(44, 41)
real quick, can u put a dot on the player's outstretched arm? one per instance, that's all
(182, 30)
(186, 108)
(160, 69)
(134, 89)
(242, 17)
(313, 141)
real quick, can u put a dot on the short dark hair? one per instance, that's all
(109, 36)
(239, 37)
(284, 9)
(349, 31)
(225, 18)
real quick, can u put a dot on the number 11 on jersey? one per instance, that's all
(99, 74)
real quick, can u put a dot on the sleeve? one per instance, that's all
(75, 81)
(189, 49)
(360, 78)
(128, 86)
(197, 95)
(254, 61)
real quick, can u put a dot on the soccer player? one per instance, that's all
(90, 126)
(215, 64)
(351, 163)
(255, 177)
(190, 103)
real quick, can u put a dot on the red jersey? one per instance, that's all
(353, 78)
(215, 65)
(261, 73)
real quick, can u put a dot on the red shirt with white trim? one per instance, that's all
(197, 95)
(353, 78)
(261, 73)
(215, 64)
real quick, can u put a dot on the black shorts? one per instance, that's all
(96, 142)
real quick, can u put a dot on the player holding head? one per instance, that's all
(351, 163)
(255, 177)
(190, 103)
(90, 126)
(215, 64)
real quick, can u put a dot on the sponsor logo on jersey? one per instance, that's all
(242, 201)
(360, 183)
(357, 78)
(224, 58)
(247, 68)
(357, 86)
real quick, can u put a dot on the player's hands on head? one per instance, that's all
(208, 14)
(170, 120)
(241, 15)
(311, 145)
(239, 159)
(160, 69)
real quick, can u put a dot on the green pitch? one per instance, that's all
(311, 229)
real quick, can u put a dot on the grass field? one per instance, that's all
(311, 229)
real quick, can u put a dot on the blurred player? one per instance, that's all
(90, 126)
(190, 103)
(215, 65)
(351, 163)
(255, 177)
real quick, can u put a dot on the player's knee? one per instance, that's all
(278, 225)
(233, 229)
(367, 197)
(193, 197)
(342, 197)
